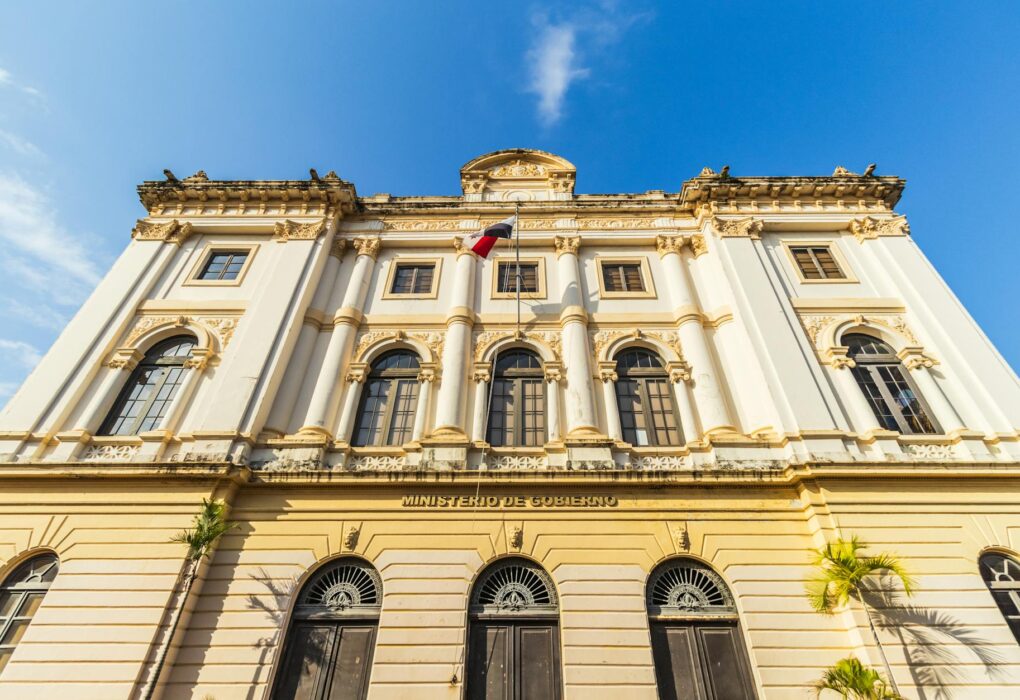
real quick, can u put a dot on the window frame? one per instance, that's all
(541, 293)
(393, 377)
(398, 261)
(837, 257)
(124, 395)
(641, 376)
(646, 277)
(194, 276)
(517, 379)
(22, 590)
(870, 365)
(1010, 588)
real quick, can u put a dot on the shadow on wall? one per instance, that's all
(276, 611)
(923, 634)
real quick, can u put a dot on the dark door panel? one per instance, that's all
(326, 661)
(677, 670)
(513, 660)
(724, 661)
(700, 661)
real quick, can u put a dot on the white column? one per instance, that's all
(552, 380)
(341, 342)
(355, 377)
(421, 411)
(456, 350)
(281, 415)
(681, 376)
(580, 389)
(708, 393)
(862, 418)
(607, 373)
(919, 367)
(482, 376)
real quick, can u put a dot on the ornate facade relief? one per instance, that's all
(616, 224)
(368, 246)
(603, 340)
(288, 230)
(748, 227)
(517, 462)
(675, 244)
(110, 453)
(420, 340)
(522, 173)
(168, 232)
(822, 329)
(550, 340)
(567, 244)
(219, 328)
(377, 463)
(870, 227)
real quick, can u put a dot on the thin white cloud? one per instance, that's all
(38, 314)
(553, 63)
(19, 145)
(7, 80)
(21, 352)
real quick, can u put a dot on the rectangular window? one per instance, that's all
(506, 277)
(623, 277)
(413, 278)
(816, 263)
(224, 265)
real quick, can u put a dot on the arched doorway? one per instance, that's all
(514, 636)
(696, 642)
(328, 651)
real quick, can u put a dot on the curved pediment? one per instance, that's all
(518, 174)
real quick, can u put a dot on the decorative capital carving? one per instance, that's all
(351, 538)
(516, 538)
(124, 358)
(607, 371)
(665, 245)
(567, 244)
(553, 372)
(870, 227)
(738, 228)
(458, 245)
(678, 372)
(169, 232)
(357, 373)
(482, 372)
(338, 248)
(838, 358)
(698, 245)
(199, 359)
(427, 375)
(289, 230)
(368, 246)
(914, 358)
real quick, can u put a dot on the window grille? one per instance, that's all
(506, 280)
(20, 597)
(645, 400)
(623, 277)
(224, 265)
(816, 262)
(388, 401)
(688, 587)
(514, 586)
(517, 404)
(1002, 576)
(413, 279)
(151, 388)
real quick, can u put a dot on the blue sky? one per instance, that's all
(396, 96)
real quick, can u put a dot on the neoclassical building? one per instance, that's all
(612, 489)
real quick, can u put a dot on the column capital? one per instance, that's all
(427, 372)
(458, 245)
(566, 245)
(678, 371)
(288, 230)
(357, 373)
(607, 371)
(838, 358)
(914, 357)
(748, 227)
(553, 372)
(666, 245)
(338, 247)
(200, 358)
(482, 372)
(124, 358)
(368, 246)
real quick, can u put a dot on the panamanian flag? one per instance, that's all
(481, 242)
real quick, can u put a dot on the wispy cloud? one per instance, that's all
(19, 145)
(20, 352)
(557, 58)
(7, 80)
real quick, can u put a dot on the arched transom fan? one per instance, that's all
(343, 586)
(688, 588)
(514, 586)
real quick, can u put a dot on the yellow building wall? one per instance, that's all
(96, 633)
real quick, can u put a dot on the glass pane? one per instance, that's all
(7, 602)
(664, 421)
(402, 419)
(632, 278)
(501, 410)
(878, 405)
(368, 429)
(423, 279)
(5, 656)
(910, 407)
(506, 281)
(613, 277)
(628, 400)
(31, 604)
(402, 279)
(15, 632)
(866, 345)
(533, 428)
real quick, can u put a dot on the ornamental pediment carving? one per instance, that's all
(288, 230)
(504, 171)
(218, 328)
(824, 330)
(549, 340)
(167, 232)
(518, 168)
(869, 227)
(603, 341)
(430, 340)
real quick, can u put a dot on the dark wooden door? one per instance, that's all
(700, 661)
(326, 661)
(513, 660)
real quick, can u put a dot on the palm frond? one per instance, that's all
(852, 679)
(842, 569)
(210, 524)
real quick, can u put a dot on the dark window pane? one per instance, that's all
(506, 280)
(224, 265)
(613, 276)
(413, 279)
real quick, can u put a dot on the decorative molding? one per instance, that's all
(124, 358)
(377, 463)
(567, 244)
(553, 372)
(486, 339)
(818, 327)
(661, 463)
(678, 371)
(110, 453)
(516, 538)
(482, 372)
(602, 339)
(665, 245)
(914, 358)
(169, 232)
(427, 375)
(433, 340)
(930, 451)
(368, 246)
(338, 248)
(222, 327)
(351, 538)
(615, 224)
(458, 245)
(412, 225)
(698, 245)
(288, 230)
(538, 224)
(284, 465)
(518, 169)
(357, 373)
(869, 227)
(749, 227)
(518, 462)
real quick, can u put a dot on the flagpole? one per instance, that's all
(517, 233)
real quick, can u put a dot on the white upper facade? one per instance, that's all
(750, 294)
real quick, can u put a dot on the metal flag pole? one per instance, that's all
(517, 245)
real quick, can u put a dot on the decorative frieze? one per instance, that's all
(602, 339)
(749, 227)
(869, 227)
(288, 230)
(930, 451)
(222, 327)
(368, 246)
(168, 232)
(486, 339)
(433, 340)
(517, 462)
(110, 453)
(377, 463)
(621, 224)
(661, 463)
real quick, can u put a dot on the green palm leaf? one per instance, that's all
(209, 526)
(855, 681)
(842, 570)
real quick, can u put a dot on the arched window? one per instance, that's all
(513, 637)
(21, 594)
(892, 395)
(645, 398)
(696, 642)
(152, 386)
(388, 402)
(517, 405)
(1002, 576)
(328, 651)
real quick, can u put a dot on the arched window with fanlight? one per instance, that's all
(328, 651)
(697, 646)
(151, 388)
(513, 634)
(890, 392)
(517, 403)
(648, 413)
(389, 400)
(1001, 573)
(21, 594)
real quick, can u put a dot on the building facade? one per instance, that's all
(612, 489)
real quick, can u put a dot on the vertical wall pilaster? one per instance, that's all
(456, 350)
(580, 390)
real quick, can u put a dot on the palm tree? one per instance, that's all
(855, 681)
(843, 570)
(210, 524)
